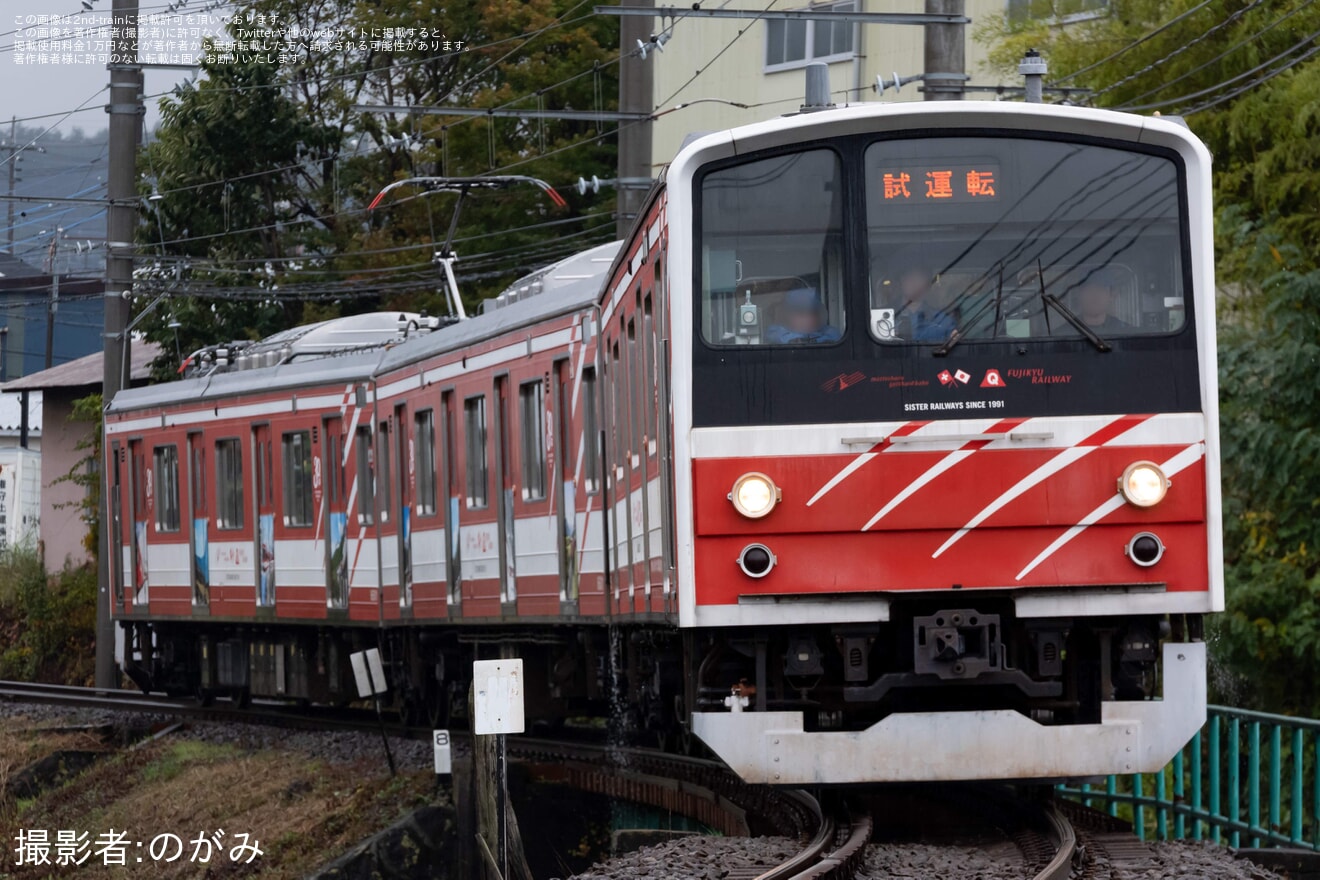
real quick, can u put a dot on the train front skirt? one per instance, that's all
(1133, 737)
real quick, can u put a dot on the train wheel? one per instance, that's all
(204, 696)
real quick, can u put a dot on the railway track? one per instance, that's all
(833, 836)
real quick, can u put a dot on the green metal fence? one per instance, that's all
(1247, 779)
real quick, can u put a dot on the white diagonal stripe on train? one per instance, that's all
(842, 475)
(934, 471)
(1031, 480)
(1179, 462)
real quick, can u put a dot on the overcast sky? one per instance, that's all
(40, 89)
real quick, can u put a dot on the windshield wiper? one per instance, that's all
(1071, 317)
(1049, 299)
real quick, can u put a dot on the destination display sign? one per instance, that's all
(948, 184)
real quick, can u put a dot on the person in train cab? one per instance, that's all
(1095, 303)
(802, 320)
(916, 315)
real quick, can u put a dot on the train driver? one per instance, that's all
(1095, 302)
(917, 317)
(802, 320)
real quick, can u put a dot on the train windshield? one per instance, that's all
(942, 241)
(772, 255)
(993, 238)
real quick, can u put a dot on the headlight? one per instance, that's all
(1143, 484)
(754, 495)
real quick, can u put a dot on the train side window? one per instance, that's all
(619, 415)
(366, 477)
(531, 403)
(297, 460)
(590, 433)
(424, 438)
(652, 356)
(166, 462)
(383, 484)
(198, 487)
(635, 379)
(229, 484)
(474, 424)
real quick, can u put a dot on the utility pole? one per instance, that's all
(946, 53)
(52, 259)
(636, 95)
(126, 112)
(13, 175)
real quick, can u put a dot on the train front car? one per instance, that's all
(945, 410)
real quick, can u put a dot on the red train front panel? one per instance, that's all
(1004, 504)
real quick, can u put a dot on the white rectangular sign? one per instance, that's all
(364, 662)
(444, 762)
(498, 694)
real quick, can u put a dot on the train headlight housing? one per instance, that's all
(1143, 484)
(754, 495)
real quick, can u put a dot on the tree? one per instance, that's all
(266, 169)
(1270, 412)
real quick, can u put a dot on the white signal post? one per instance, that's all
(497, 696)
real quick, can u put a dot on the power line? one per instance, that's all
(1159, 30)
(1183, 47)
(1246, 73)
(1230, 50)
(1251, 85)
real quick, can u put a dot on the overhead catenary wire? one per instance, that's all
(1246, 41)
(1182, 47)
(1135, 43)
(1310, 38)
(1213, 102)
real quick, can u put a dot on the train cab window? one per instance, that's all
(424, 444)
(771, 261)
(993, 238)
(590, 433)
(366, 476)
(229, 484)
(297, 461)
(166, 464)
(478, 464)
(531, 407)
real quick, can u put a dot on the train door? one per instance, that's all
(652, 479)
(405, 454)
(263, 508)
(504, 479)
(592, 527)
(638, 460)
(198, 522)
(565, 487)
(118, 574)
(334, 505)
(453, 493)
(139, 482)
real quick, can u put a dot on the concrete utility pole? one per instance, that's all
(13, 175)
(54, 305)
(636, 95)
(126, 112)
(946, 53)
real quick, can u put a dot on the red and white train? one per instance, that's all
(884, 448)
